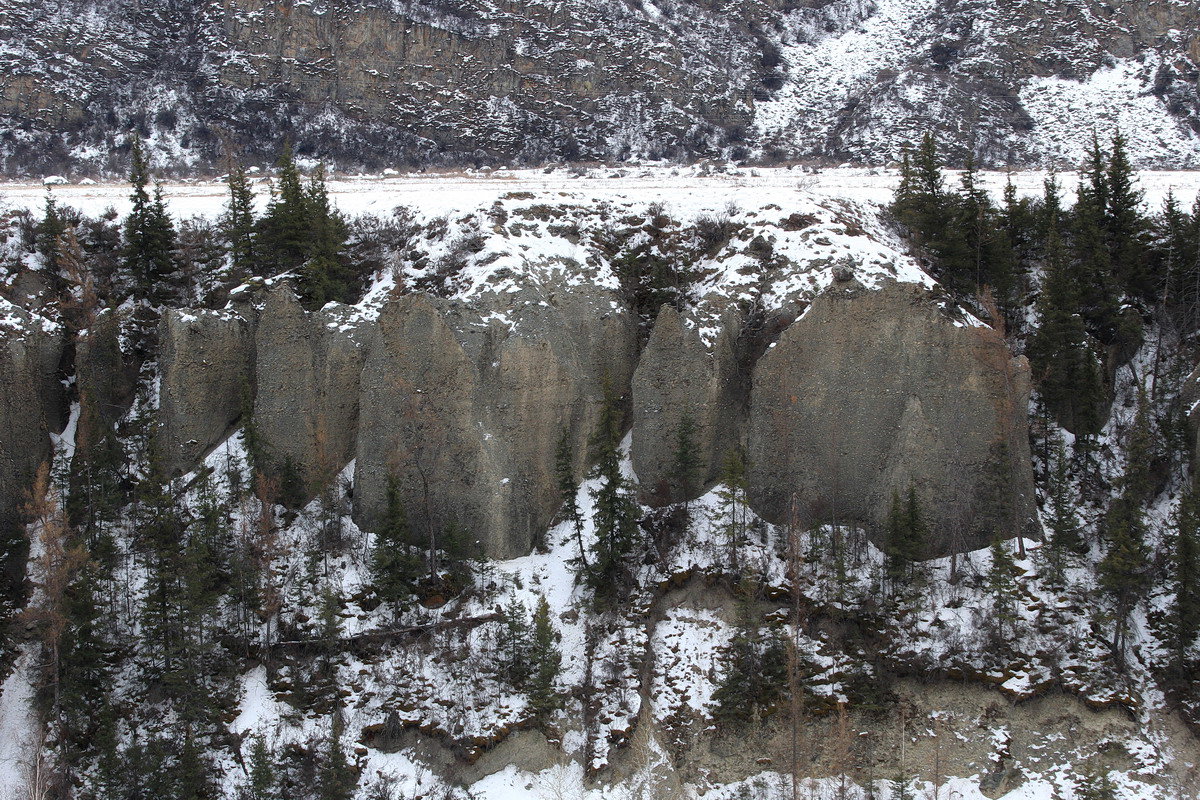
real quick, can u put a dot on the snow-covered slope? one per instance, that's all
(372, 83)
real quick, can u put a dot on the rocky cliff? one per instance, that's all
(32, 404)
(870, 393)
(379, 83)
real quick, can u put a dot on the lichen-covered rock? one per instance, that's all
(206, 369)
(464, 405)
(679, 376)
(871, 392)
(31, 402)
(307, 371)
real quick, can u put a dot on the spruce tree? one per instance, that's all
(755, 667)
(685, 467)
(1125, 228)
(568, 490)
(907, 534)
(149, 233)
(1067, 372)
(239, 223)
(734, 505)
(1185, 574)
(47, 236)
(1123, 572)
(546, 660)
(260, 780)
(394, 565)
(615, 515)
(1002, 584)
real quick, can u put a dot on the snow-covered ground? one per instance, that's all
(683, 189)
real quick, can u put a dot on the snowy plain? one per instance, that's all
(694, 188)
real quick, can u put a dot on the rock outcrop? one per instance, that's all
(31, 402)
(871, 392)
(307, 369)
(679, 376)
(105, 377)
(465, 409)
(206, 366)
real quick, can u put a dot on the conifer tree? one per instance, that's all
(615, 514)
(260, 782)
(239, 223)
(47, 235)
(1123, 571)
(1185, 569)
(149, 232)
(546, 660)
(1002, 583)
(755, 667)
(564, 471)
(734, 506)
(685, 467)
(907, 534)
(1064, 522)
(1125, 227)
(1067, 373)
(335, 779)
(394, 566)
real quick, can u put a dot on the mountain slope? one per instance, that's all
(377, 83)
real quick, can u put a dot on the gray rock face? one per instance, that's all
(206, 363)
(677, 376)
(466, 410)
(31, 400)
(307, 370)
(103, 375)
(873, 391)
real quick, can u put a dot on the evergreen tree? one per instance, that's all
(149, 232)
(1067, 373)
(394, 564)
(568, 490)
(1185, 568)
(685, 467)
(755, 668)
(239, 223)
(1123, 572)
(323, 276)
(47, 235)
(1002, 584)
(734, 505)
(1125, 228)
(546, 660)
(260, 782)
(336, 779)
(284, 232)
(615, 515)
(1092, 268)
(1064, 522)
(907, 534)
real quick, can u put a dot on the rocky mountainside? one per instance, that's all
(376, 83)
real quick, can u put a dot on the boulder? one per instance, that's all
(206, 369)
(871, 392)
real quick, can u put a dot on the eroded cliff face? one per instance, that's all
(872, 392)
(306, 378)
(206, 369)
(465, 411)
(679, 377)
(32, 403)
